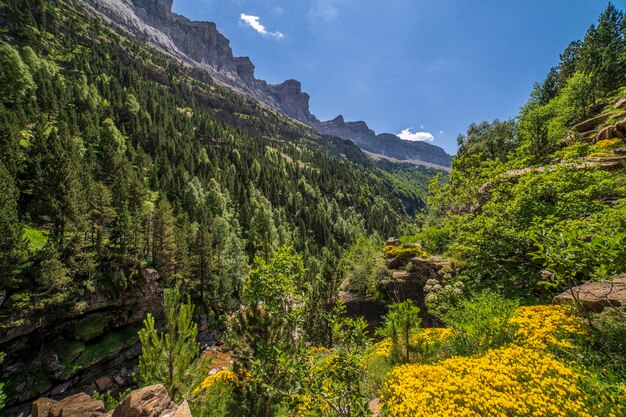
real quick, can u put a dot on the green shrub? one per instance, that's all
(435, 239)
(480, 323)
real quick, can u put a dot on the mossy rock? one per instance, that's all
(90, 327)
(68, 351)
(108, 347)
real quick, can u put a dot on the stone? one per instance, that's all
(395, 263)
(183, 410)
(41, 407)
(119, 379)
(591, 124)
(78, 405)
(50, 362)
(151, 401)
(392, 241)
(103, 383)
(595, 296)
(61, 388)
(375, 407)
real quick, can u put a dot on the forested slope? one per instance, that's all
(115, 158)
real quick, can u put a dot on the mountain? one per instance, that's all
(201, 45)
(386, 144)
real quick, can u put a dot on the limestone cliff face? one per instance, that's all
(385, 144)
(201, 45)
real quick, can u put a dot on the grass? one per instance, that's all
(36, 238)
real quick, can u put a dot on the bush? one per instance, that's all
(435, 240)
(480, 323)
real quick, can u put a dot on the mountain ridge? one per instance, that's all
(200, 44)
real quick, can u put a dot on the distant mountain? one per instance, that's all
(201, 45)
(385, 144)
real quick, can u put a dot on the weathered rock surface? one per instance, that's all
(79, 405)
(152, 401)
(594, 296)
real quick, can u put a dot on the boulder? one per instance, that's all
(79, 405)
(392, 241)
(151, 401)
(594, 296)
(41, 407)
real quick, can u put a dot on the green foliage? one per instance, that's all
(480, 323)
(400, 323)
(403, 252)
(16, 82)
(608, 335)
(90, 327)
(277, 284)
(574, 256)
(110, 400)
(100, 350)
(171, 357)
(348, 334)
(13, 245)
(364, 267)
(434, 239)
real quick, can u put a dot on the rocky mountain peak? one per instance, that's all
(200, 44)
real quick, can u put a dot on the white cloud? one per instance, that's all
(441, 132)
(255, 23)
(406, 134)
(279, 10)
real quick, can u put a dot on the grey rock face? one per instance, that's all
(385, 144)
(201, 45)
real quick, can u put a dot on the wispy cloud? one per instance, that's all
(325, 10)
(255, 23)
(406, 134)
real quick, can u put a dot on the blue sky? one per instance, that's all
(426, 65)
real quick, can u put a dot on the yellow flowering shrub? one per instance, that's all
(541, 327)
(608, 143)
(424, 339)
(510, 381)
(224, 375)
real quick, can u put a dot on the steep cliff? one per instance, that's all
(201, 45)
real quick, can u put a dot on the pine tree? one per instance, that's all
(16, 82)
(170, 357)
(13, 245)
(164, 239)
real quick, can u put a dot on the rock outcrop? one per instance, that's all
(151, 401)
(594, 296)
(202, 46)
(63, 349)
